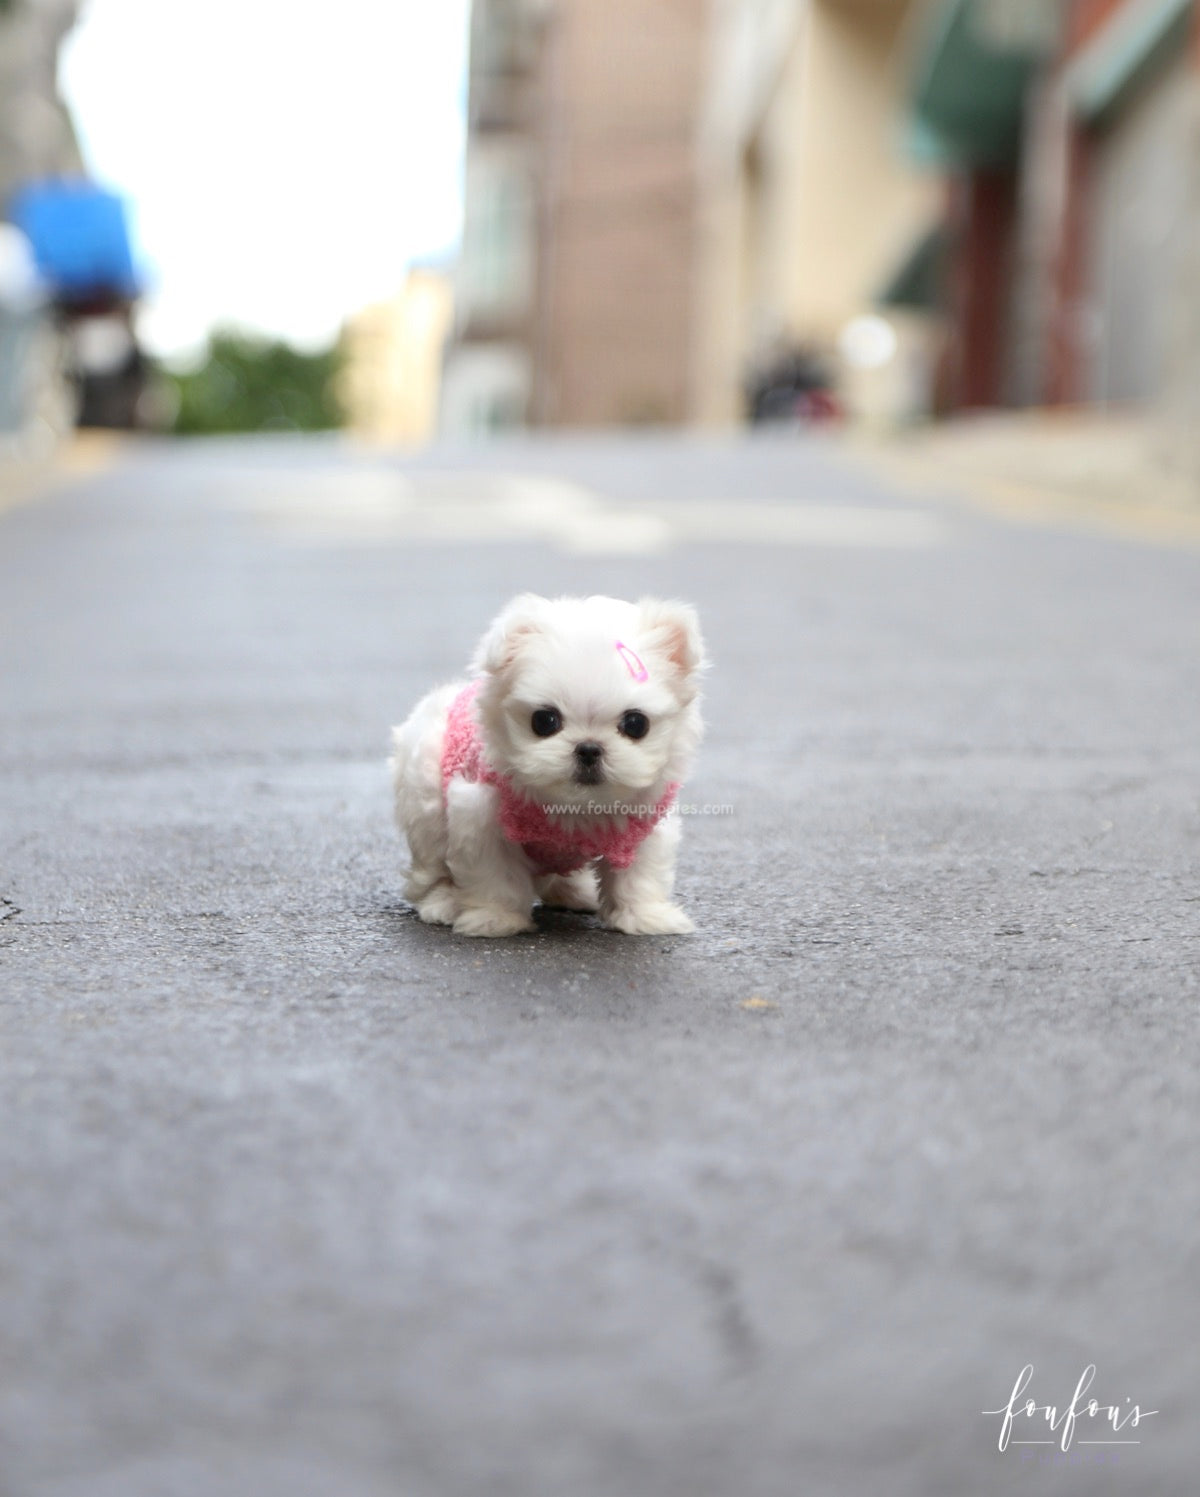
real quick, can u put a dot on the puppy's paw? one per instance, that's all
(440, 906)
(489, 920)
(658, 919)
(570, 891)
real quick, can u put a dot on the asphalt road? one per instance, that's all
(300, 1197)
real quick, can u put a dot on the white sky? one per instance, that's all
(284, 159)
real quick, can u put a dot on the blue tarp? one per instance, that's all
(80, 237)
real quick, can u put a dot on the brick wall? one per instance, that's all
(617, 222)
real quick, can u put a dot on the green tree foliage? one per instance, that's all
(246, 384)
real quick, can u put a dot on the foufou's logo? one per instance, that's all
(1024, 1421)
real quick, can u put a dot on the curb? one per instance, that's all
(27, 480)
(938, 471)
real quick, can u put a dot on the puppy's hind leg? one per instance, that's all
(570, 891)
(420, 814)
(428, 884)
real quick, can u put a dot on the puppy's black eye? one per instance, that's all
(634, 725)
(546, 721)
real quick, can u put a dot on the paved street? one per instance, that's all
(300, 1197)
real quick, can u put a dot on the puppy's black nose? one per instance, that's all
(588, 753)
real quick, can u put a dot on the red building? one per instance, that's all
(1070, 139)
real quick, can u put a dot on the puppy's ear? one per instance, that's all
(672, 631)
(510, 630)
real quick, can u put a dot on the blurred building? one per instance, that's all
(37, 138)
(38, 401)
(811, 201)
(617, 231)
(488, 375)
(662, 194)
(392, 352)
(576, 291)
(1069, 133)
(955, 203)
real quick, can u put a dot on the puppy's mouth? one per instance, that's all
(589, 774)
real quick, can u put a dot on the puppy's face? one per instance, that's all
(591, 702)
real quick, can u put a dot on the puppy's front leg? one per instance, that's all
(637, 899)
(494, 884)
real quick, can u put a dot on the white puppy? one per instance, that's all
(552, 774)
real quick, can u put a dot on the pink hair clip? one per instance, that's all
(633, 663)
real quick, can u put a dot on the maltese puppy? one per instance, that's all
(552, 774)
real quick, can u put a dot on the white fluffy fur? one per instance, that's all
(561, 653)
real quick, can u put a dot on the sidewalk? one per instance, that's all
(24, 478)
(1107, 470)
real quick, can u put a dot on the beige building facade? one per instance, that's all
(391, 374)
(812, 198)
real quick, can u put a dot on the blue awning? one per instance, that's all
(80, 238)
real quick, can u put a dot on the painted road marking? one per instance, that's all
(374, 506)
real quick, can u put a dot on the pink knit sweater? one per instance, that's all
(553, 844)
